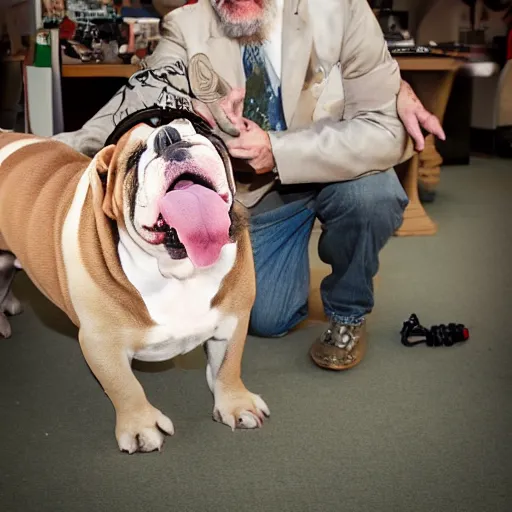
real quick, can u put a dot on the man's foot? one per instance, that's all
(340, 347)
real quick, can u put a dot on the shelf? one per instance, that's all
(127, 70)
(429, 63)
(98, 70)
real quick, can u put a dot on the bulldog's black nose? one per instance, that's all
(165, 138)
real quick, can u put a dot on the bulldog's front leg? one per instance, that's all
(139, 425)
(234, 406)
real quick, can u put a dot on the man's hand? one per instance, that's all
(413, 114)
(253, 145)
(225, 113)
(220, 105)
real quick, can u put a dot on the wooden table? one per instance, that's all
(98, 70)
(432, 80)
(19, 57)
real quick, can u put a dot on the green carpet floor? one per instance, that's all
(421, 430)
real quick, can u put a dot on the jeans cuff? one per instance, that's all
(346, 320)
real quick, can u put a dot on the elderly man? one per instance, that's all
(315, 107)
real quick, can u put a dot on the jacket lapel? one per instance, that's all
(296, 49)
(225, 55)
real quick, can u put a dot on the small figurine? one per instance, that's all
(96, 46)
(413, 333)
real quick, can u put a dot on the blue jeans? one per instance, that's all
(358, 218)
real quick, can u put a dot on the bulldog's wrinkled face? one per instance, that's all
(178, 193)
(247, 20)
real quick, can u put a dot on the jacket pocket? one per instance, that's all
(331, 96)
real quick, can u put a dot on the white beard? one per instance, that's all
(253, 29)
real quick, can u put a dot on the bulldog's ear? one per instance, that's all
(103, 160)
(106, 171)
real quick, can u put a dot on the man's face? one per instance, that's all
(245, 19)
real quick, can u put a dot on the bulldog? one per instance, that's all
(146, 250)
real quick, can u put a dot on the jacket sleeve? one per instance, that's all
(171, 47)
(370, 137)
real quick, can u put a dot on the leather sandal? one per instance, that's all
(340, 347)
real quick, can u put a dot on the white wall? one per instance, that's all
(414, 8)
(441, 20)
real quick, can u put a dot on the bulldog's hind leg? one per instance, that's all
(8, 302)
(139, 426)
(234, 406)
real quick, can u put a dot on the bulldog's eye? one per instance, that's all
(166, 137)
(134, 158)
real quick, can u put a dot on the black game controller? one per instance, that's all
(413, 333)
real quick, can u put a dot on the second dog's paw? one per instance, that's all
(143, 431)
(240, 410)
(5, 326)
(11, 305)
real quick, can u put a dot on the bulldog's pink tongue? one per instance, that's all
(201, 219)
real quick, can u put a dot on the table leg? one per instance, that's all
(416, 221)
(430, 161)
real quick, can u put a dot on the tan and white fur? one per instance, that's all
(78, 229)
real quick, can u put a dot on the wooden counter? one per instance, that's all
(126, 70)
(19, 57)
(428, 63)
(98, 70)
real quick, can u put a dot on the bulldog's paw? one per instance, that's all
(240, 410)
(5, 326)
(143, 431)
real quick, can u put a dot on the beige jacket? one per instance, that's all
(339, 88)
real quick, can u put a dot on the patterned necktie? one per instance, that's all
(262, 102)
